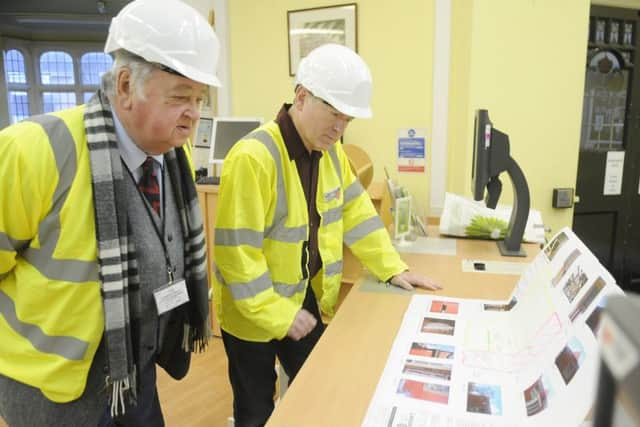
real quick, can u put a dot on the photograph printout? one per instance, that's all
(531, 360)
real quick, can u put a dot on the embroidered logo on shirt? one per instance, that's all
(332, 195)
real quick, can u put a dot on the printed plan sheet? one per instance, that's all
(529, 361)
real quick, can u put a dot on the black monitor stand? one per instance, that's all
(511, 245)
(501, 161)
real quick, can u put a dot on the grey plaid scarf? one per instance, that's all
(119, 277)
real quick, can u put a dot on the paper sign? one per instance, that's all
(613, 173)
(203, 135)
(411, 150)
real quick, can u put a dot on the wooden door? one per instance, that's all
(608, 180)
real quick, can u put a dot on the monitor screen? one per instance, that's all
(481, 147)
(226, 132)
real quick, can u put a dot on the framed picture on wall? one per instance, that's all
(310, 28)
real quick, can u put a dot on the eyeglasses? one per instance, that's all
(333, 110)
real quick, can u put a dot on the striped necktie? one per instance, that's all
(148, 184)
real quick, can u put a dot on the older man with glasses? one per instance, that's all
(102, 255)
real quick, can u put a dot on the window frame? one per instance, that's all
(32, 52)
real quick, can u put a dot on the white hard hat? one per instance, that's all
(170, 33)
(340, 77)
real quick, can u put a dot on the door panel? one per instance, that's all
(590, 185)
(611, 112)
(597, 230)
(631, 277)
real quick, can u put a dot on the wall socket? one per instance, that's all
(562, 198)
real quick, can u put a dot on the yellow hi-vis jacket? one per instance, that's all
(51, 316)
(261, 235)
(51, 312)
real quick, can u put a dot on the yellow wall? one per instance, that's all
(399, 58)
(459, 139)
(523, 60)
(526, 66)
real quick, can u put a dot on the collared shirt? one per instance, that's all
(134, 157)
(308, 166)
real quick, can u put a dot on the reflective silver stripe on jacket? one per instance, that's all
(68, 347)
(277, 230)
(335, 214)
(336, 162)
(238, 237)
(244, 290)
(8, 243)
(353, 191)
(332, 215)
(64, 150)
(362, 230)
(333, 269)
(287, 290)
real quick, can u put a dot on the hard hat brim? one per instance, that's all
(349, 110)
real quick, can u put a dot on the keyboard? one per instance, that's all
(209, 180)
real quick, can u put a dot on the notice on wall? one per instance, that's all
(613, 173)
(411, 149)
(203, 134)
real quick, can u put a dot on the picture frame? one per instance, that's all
(310, 28)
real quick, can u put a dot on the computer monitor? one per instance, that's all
(226, 132)
(491, 157)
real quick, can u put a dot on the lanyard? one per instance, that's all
(159, 232)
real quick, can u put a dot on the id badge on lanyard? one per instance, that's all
(171, 295)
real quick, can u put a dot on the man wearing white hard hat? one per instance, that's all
(287, 202)
(102, 253)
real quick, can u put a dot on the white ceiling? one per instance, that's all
(86, 20)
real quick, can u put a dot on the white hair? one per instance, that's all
(140, 71)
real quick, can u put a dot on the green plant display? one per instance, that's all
(487, 227)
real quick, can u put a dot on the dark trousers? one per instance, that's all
(252, 368)
(147, 412)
